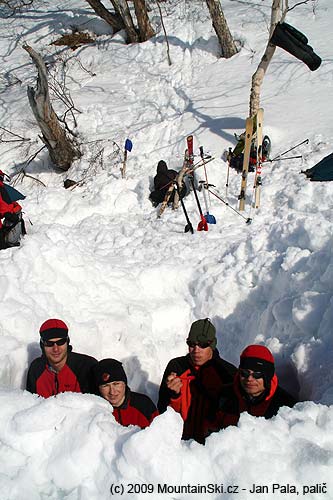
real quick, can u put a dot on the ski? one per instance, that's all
(257, 178)
(246, 159)
(189, 140)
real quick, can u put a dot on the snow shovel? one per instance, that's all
(202, 226)
(209, 217)
(188, 226)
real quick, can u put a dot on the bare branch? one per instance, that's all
(165, 33)
(20, 139)
(297, 4)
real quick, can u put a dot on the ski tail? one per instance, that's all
(246, 159)
(259, 140)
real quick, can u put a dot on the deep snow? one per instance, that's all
(129, 285)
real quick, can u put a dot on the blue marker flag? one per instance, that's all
(128, 145)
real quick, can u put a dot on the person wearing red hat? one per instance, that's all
(59, 369)
(255, 389)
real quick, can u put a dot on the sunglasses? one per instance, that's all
(202, 345)
(51, 343)
(247, 373)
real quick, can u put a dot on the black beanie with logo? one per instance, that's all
(109, 370)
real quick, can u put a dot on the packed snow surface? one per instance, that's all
(129, 284)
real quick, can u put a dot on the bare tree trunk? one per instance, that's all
(121, 6)
(227, 43)
(114, 20)
(145, 29)
(165, 33)
(63, 150)
(277, 15)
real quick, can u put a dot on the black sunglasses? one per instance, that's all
(51, 343)
(202, 345)
(247, 373)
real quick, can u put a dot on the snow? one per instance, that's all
(129, 285)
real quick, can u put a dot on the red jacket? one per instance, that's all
(8, 207)
(137, 409)
(75, 376)
(235, 401)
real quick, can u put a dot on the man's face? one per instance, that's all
(251, 385)
(56, 354)
(199, 353)
(114, 392)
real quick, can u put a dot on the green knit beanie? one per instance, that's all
(203, 331)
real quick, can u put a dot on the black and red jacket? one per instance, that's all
(200, 393)
(75, 376)
(235, 401)
(8, 207)
(137, 409)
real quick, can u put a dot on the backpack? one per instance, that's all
(235, 157)
(13, 229)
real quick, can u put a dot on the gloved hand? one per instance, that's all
(13, 218)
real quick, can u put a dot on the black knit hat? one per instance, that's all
(53, 329)
(203, 331)
(258, 358)
(109, 370)
(162, 167)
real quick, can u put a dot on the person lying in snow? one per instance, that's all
(129, 407)
(255, 389)
(192, 384)
(162, 181)
(59, 369)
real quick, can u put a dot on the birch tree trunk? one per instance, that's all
(145, 28)
(277, 14)
(221, 28)
(114, 20)
(63, 150)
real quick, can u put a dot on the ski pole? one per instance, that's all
(248, 220)
(200, 164)
(209, 217)
(306, 141)
(203, 161)
(204, 165)
(188, 226)
(277, 158)
(202, 226)
(227, 182)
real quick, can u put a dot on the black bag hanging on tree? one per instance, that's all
(293, 41)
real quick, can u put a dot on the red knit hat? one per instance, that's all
(258, 358)
(53, 329)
